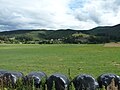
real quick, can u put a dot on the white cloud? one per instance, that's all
(101, 12)
(56, 14)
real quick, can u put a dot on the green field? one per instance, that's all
(89, 59)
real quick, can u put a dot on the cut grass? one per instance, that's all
(89, 59)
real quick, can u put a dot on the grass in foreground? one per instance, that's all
(89, 59)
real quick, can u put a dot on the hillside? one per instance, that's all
(41, 34)
(109, 31)
(37, 36)
(95, 35)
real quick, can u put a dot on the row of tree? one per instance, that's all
(74, 39)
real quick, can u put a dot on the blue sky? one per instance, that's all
(58, 14)
(76, 4)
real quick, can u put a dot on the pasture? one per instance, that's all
(93, 59)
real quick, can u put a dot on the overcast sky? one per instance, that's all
(58, 14)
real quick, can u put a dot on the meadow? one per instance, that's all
(93, 59)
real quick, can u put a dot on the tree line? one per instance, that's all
(77, 38)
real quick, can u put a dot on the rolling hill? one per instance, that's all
(106, 30)
(110, 32)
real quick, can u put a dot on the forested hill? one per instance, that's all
(41, 34)
(95, 35)
(107, 30)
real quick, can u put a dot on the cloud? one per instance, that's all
(101, 12)
(34, 14)
(56, 14)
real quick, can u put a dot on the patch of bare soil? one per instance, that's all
(112, 45)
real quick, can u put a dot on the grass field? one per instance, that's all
(89, 59)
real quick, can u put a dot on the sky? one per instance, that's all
(58, 14)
